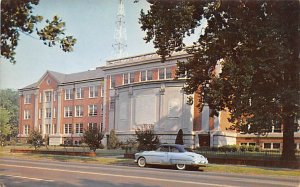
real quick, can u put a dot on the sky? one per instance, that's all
(92, 23)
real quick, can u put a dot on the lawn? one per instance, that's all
(112, 157)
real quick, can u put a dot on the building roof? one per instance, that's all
(69, 78)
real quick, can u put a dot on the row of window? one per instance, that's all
(68, 128)
(145, 75)
(265, 145)
(69, 94)
(79, 111)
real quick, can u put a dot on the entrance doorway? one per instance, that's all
(204, 140)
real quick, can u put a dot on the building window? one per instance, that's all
(267, 145)
(131, 78)
(79, 93)
(168, 72)
(26, 114)
(277, 127)
(143, 75)
(101, 127)
(26, 129)
(27, 99)
(161, 72)
(79, 111)
(276, 145)
(149, 75)
(68, 128)
(93, 91)
(243, 144)
(112, 81)
(40, 129)
(68, 94)
(92, 110)
(48, 112)
(48, 129)
(92, 126)
(68, 111)
(79, 128)
(48, 95)
(125, 78)
(252, 144)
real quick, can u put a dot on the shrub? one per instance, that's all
(251, 148)
(257, 148)
(179, 137)
(146, 138)
(113, 141)
(35, 139)
(93, 137)
(243, 148)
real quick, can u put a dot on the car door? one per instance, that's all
(160, 156)
(176, 157)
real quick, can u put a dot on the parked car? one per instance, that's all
(170, 154)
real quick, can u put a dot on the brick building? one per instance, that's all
(122, 95)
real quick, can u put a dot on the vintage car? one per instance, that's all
(170, 154)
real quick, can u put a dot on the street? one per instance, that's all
(23, 173)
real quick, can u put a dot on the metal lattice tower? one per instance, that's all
(120, 32)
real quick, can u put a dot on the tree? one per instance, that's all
(179, 137)
(4, 127)
(9, 102)
(146, 138)
(93, 137)
(256, 44)
(17, 17)
(35, 139)
(113, 140)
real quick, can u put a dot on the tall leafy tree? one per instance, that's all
(93, 137)
(18, 17)
(257, 45)
(9, 102)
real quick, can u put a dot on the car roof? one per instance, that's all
(173, 145)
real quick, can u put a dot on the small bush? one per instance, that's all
(93, 137)
(113, 141)
(35, 139)
(146, 138)
(251, 148)
(179, 137)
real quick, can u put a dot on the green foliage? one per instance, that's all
(113, 141)
(146, 138)
(9, 102)
(254, 44)
(179, 137)
(93, 137)
(17, 17)
(243, 148)
(229, 148)
(35, 139)
(4, 127)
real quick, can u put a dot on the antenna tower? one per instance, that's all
(120, 32)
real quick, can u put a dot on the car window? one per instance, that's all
(163, 149)
(174, 150)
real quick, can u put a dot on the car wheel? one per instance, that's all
(142, 162)
(180, 166)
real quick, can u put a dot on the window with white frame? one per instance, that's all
(78, 111)
(267, 145)
(93, 110)
(143, 76)
(276, 145)
(48, 96)
(79, 128)
(68, 94)
(47, 128)
(125, 78)
(168, 72)
(93, 91)
(68, 111)
(92, 126)
(68, 128)
(48, 112)
(161, 73)
(131, 78)
(112, 81)
(40, 128)
(79, 93)
(27, 99)
(149, 75)
(26, 129)
(26, 114)
(102, 90)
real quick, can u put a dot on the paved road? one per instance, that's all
(23, 173)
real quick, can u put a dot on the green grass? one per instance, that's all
(236, 169)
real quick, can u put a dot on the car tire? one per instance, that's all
(141, 162)
(180, 166)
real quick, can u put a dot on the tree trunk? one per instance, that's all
(288, 149)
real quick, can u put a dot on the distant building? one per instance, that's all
(122, 95)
